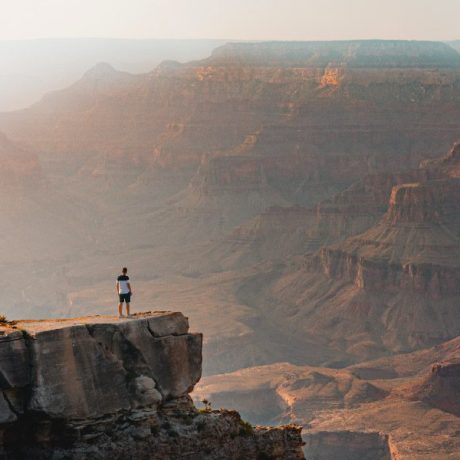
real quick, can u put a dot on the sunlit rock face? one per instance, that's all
(110, 388)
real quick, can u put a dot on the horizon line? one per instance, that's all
(89, 37)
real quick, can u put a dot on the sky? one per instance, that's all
(231, 19)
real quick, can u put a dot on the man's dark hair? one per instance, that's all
(124, 270)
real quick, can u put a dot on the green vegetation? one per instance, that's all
(246, 429)
(207, 407)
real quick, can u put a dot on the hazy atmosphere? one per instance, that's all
(231, 19)
(230, 230)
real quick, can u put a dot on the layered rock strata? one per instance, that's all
(288, 105)
(101, 387)
(414, 246)
(392, 288)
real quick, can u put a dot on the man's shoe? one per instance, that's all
(121, 316)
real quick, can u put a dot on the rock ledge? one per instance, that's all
(100, 387)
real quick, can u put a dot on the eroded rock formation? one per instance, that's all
(441, 388)
(400, 407)
(103, 388)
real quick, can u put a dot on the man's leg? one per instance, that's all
(127, 308)
(120, 309)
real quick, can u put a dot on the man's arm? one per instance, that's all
(117, 285)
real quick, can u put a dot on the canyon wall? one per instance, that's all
(312, 117)
(393, 256)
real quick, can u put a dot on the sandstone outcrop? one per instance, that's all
(104, 388)
(441, 387)
(448, 165)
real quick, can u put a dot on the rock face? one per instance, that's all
(359, 207)
(417, 237)
(106, 388)
(441, 388)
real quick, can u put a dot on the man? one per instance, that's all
(124, 292)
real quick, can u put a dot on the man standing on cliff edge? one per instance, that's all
(124, 292)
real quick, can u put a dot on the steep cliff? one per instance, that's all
(106, 388)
